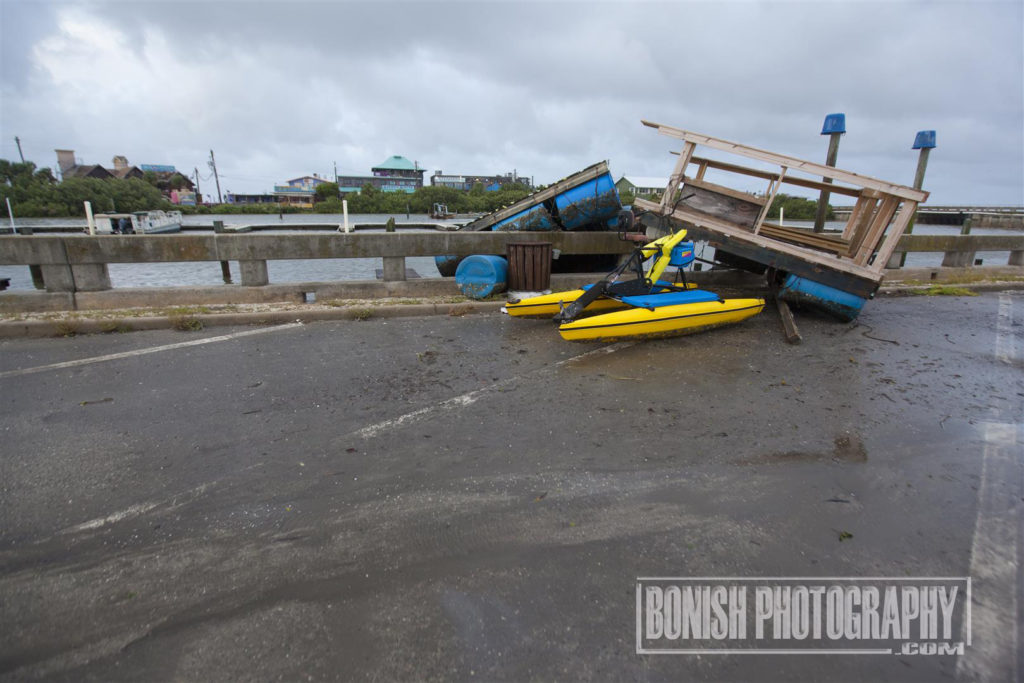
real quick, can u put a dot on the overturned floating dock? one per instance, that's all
(836, 272)
(584, 201)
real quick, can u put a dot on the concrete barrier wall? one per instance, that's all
(78, 263)
(85, 249)
(75, 267)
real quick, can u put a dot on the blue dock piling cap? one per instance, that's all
(834, 123)
(925, 139)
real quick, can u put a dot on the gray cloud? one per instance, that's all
(281, 90)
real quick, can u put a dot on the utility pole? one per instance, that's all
(335, 172)
(195, 170)
(834, 127)
(17, 140)
(213, 165)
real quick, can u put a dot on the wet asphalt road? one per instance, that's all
(473, 499)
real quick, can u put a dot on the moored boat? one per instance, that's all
(137, 223)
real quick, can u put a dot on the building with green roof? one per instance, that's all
(396, 163)
(394, 174)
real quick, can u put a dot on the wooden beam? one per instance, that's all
(795, 163)
(906, 214)
(773, 188)
(677, 174)
(789, 328)
(808, 238)
(768, 175)
(856, 230)
(874, 233)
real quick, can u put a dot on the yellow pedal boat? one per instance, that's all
(547, 305)
(663, 321)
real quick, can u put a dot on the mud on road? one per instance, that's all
(473, 498)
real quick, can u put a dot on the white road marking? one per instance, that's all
(472, 397)
(142, 352)
(134, 511)
(1006, 341)
(992, 628)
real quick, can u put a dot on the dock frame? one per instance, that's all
(548, 193)
(733, 221)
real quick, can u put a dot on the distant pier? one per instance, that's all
(1009, 217)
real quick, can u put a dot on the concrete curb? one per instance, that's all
(69, 327)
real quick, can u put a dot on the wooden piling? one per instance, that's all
(830, 160)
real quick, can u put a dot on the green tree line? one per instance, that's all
(373, 200)
(797, 208)
(36, 193)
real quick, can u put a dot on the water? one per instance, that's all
(205, 273)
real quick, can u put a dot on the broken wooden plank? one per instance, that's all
(789, 328)
(768, 175)
(677, 174)
(877, 229)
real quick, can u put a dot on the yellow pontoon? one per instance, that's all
(652, 307)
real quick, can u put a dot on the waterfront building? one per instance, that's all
(169, 180)
(395, 174)
(122, 169)
(299, 191)
(641, 186)
(235, 198)
(70, 168)
(491, 183)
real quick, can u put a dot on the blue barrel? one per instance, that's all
(482, 275)
(595, 201)
(534, 218)
(800, 291)
(447, 264)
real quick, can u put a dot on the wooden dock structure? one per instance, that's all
(734, 221)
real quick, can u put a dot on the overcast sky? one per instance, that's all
(279, 90)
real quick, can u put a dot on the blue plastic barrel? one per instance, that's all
(482, 275)
(843, 305)
(447, 264)
(533, 218)
(595, 201)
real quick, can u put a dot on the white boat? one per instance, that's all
(137, 223)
